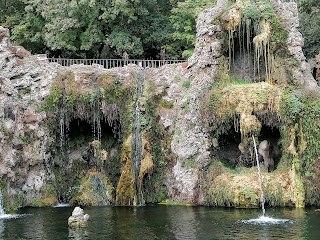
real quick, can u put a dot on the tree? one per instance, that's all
(94, 28)
(183, 20)
(310, 26)
(10, 8)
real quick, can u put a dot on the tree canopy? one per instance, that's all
(310, 26)
(103, 28)
(109, 28)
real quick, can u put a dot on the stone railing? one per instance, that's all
(111, 63)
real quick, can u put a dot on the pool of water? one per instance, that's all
(163, 222)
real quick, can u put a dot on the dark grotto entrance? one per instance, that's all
(83, 153)
(225, 148)
(244, 64)
(273, 136)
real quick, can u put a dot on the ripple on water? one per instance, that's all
(266, 220)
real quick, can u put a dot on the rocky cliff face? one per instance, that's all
(24, 158)
(67, 132)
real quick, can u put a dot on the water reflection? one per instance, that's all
(162, 222)
(78, 234)
(1, 228)
(184, 223)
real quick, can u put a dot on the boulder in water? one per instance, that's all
(78, 218)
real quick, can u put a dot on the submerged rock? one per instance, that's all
(78, 218)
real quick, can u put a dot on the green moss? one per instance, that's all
(25, 139)
(94, 190)
(18, 200)
(252, 11)
(175, 202)
(26, 90)
(160, 141)
(166, 104)
(125, 190)
(190, 163)
(186, 84)
(279, 35)
(35, 202)
(248, 197)
(220, 196)
(47, 197)
(68, 180)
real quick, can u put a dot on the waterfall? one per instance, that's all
(96, 111)
(62, 122)
(1, 205)
(97, 121)
(262, 200)
(137, 140)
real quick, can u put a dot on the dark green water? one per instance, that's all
(161, 222)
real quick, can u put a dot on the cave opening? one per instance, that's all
(80, 133)
(273, 136)
(314, 73)
(225, 147)
(82, 155)
(243, 61)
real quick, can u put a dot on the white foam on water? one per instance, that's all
(62, 205)
(266, 220)
(10, 216)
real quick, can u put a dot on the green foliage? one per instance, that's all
(279, 34)
(290, 106)
(266, 9)
(183, 20)
(123, 41)
(252, 11)
(310, 26)
(258, 10)
(187, 53)
(310, 116)
(310, 29)
(10, 9)
(89, 28)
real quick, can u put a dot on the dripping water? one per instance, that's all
(62, 122)
(137, 140)
(97, 120)
(96, 111)
(1, 205)
(262, 200)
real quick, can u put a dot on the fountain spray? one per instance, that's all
(262, 200)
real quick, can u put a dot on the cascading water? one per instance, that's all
(1, 205)
(97, 121)
(96, 111)
(262, 200)
(137, 140)
(62, 122)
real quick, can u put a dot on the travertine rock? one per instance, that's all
(78, 218)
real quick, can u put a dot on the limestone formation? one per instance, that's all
(78, 218)
(49, 114)
(264, 151)
(288, 13)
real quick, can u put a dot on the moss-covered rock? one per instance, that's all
(94, 190)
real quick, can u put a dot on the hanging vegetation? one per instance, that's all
(254, 32)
